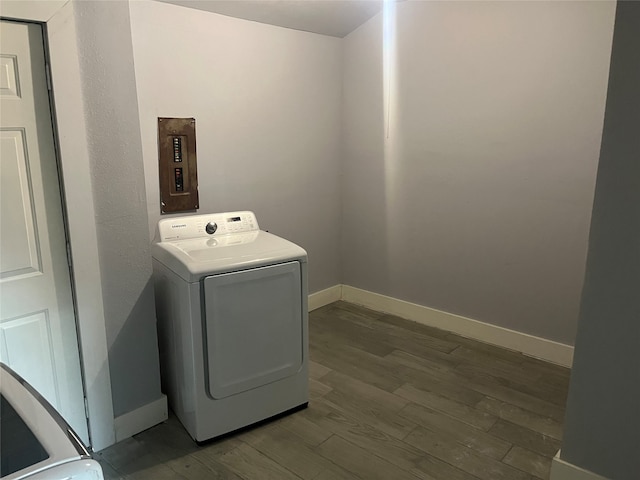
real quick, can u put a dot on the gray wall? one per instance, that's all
(267, 104)
(468, 182)
(115, 156)
(602, 427)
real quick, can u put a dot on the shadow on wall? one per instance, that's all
(133, 355)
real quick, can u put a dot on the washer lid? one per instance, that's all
(197, 257)
(44, 438)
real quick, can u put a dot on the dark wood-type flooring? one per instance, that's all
(390, 399)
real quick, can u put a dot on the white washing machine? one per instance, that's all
(231, 303)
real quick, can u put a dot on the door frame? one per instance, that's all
(61, 51)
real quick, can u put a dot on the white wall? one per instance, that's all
(114, 149)
(268, 120)
(470, 190)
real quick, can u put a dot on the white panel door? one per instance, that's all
(37, 322)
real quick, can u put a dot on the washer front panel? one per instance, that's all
(253, 327)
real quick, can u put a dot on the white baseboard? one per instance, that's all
(140, 419)
(533, 346)
(562, 470)
(325, 297)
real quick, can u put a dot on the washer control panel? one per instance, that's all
(215, 224)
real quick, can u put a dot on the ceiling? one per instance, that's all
(336, 18)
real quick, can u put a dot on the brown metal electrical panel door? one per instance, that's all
(177, 164)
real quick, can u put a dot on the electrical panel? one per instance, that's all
(177, 164)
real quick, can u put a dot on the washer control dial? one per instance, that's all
(211, 228)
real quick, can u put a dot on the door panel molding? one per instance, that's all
(17, 209)
(26, 344)
(9, 80)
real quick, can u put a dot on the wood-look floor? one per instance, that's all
(390, 399)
